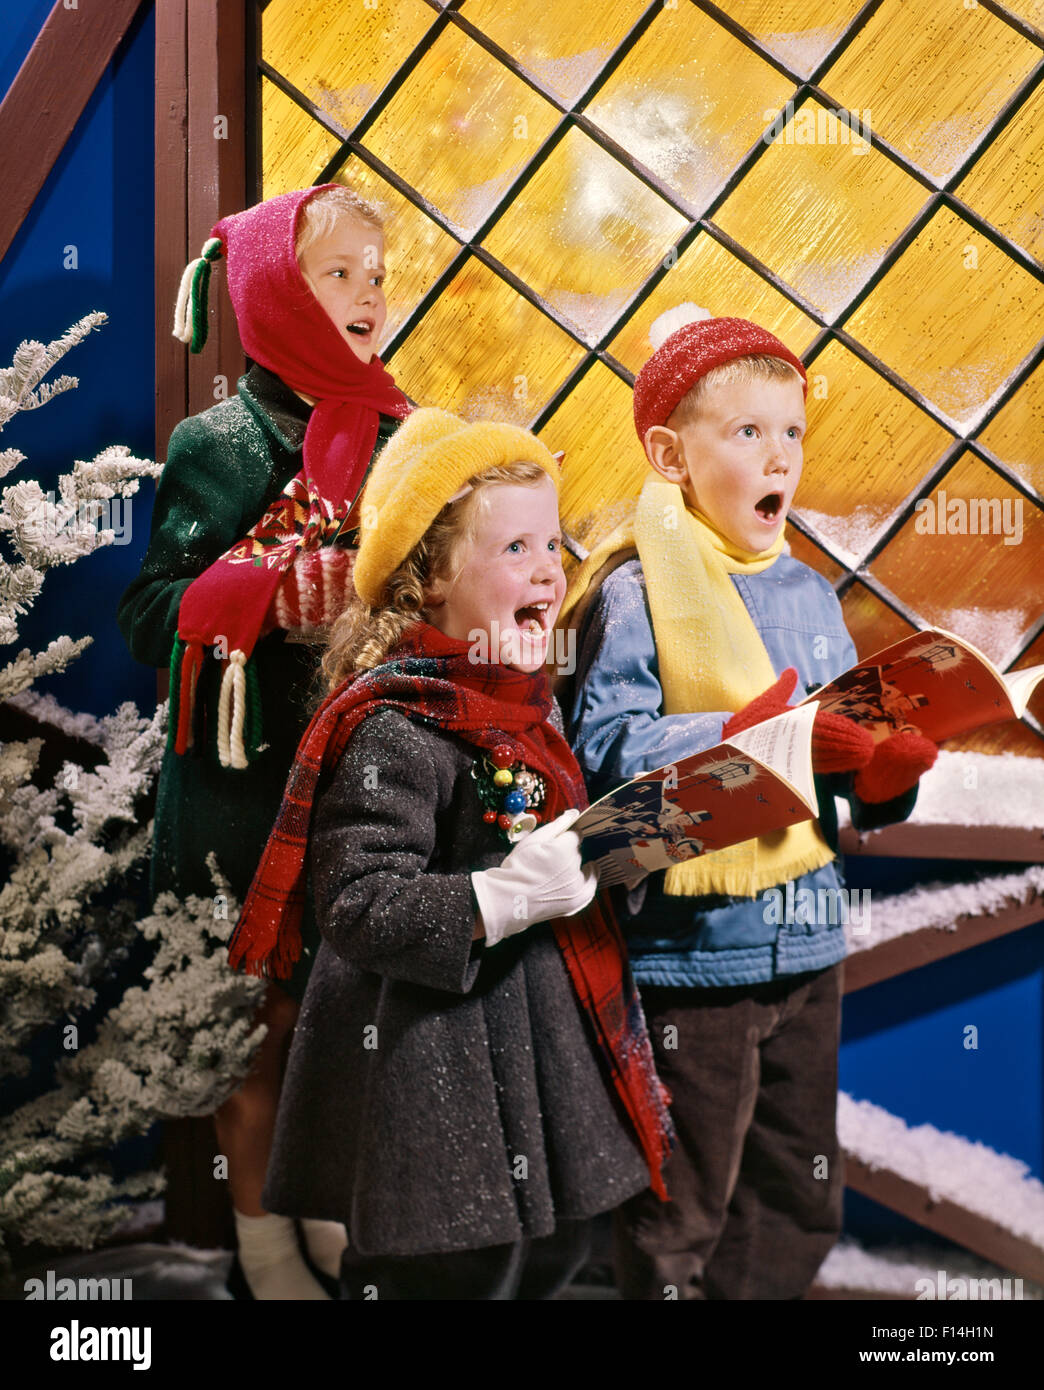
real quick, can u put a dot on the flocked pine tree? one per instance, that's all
(75, 851)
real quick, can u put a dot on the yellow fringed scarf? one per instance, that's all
(711, 657)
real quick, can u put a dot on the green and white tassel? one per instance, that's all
(190, 312)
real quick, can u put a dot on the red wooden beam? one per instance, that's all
(203, 74)
(217, 144)
(202, 87)
(967, 1228)
(171, 231)
(48, 96)
(911, 840)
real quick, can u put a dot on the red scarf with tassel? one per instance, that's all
(430, 678)
(283, 327)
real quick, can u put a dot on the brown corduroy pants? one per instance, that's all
(755, 1183)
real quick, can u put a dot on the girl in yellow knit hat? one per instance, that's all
(470, 1079)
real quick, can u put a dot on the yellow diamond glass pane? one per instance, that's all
(416, 250)
(460, 129)
(1011, 737)
(871, 623)
(812, 555)
(954, 317)
(932, 76)
(712, 277)
(340, 56)
(689, 100)
(604, 465)
(1032, 11)
(1016, 433)
(294, 148)
(562, 46)
(799, 32)
(1034, 656)
(970, 561)
(821, 214)
(1006, 183)
(584, 233)
(484, 352)
(866, 450)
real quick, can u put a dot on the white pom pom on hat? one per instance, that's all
(671, 320)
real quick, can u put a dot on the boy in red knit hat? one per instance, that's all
(247, 563)
(694, 623)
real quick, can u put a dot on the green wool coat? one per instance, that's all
(224, 467)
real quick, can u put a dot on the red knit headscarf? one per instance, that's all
(283, 327)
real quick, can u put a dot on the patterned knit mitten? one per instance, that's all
(770, 702)
(895, 767)
(313, 592)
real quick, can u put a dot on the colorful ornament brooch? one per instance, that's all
(509, 791)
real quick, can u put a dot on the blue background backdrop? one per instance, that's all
(98, 198)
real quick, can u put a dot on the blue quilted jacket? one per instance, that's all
(618, 729)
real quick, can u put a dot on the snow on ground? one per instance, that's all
(941, 904)
(949, 1167)
(178, 1272)
(156, 1272)
(978, 789)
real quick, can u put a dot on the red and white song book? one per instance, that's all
(757, 782)
(762, 780)
(933, 680)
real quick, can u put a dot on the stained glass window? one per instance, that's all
(866, 181)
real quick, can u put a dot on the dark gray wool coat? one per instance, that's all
(440, 1095)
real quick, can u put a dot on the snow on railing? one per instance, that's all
(940, 905)
(946, 1166)
(977, 789)
(920, 1272)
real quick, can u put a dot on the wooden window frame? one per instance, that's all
(205, 65)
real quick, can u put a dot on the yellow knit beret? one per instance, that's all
(429, 457)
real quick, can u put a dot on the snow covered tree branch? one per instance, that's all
(21, 384)
(75, 847)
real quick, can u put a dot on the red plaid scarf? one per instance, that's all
(430, 678)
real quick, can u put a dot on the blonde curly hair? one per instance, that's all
(362, 636)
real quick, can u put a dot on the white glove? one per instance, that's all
(542, 877)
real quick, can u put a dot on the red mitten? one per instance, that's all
(770, 702)
(839, 744)
(895, 767)
(313, 592)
